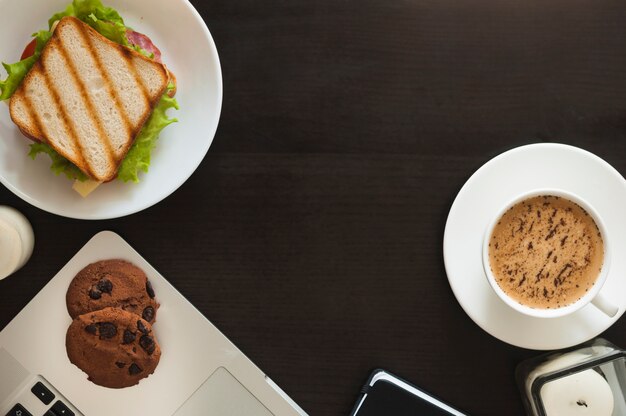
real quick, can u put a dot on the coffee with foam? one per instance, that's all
(546, 252)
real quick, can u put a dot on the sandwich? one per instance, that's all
(92, 95)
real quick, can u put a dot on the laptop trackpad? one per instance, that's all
(222, 395)
(13, 374)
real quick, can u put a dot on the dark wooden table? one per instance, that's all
(312, 232)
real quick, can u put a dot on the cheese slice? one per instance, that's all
(86, 187)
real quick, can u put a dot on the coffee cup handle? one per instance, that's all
(602, 303)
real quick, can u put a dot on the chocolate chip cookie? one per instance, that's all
(116, 283)
(114, 347)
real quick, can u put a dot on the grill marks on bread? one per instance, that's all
(32, 119)
(117, 68)
(90, 135)
(54, 121)
(88, 97)
(107, 83)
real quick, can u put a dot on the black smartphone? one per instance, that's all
(387, 395)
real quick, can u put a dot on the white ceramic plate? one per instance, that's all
(188, 50)
(498, 181)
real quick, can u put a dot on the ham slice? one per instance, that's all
(144, 42)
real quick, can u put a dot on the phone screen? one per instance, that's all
(387, 399)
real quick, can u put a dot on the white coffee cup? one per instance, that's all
(593, 295)
(16, 241)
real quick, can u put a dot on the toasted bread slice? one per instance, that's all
(88, 97)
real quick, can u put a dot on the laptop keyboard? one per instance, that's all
(38, 397)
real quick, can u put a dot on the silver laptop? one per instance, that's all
(200, 373)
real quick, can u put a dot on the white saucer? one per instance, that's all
(546, 165)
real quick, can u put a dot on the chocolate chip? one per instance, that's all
(142, 327)
(120, 364)
(128, 337)
(92, 329)
(149, 289)
(105, 286)
(148, 313)
(147, 343)
(134, 369)
(95, 294)
(107, 330)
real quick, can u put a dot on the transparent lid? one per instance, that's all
(588, 379)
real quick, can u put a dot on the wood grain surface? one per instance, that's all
(311, 234)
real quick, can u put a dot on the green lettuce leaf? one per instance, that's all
(142, 51)
(69, 11)
(138, 157)
(84, 8)
(18, 70)
(59, 163)
(114, 31)
(106, 20)
(42, 37)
